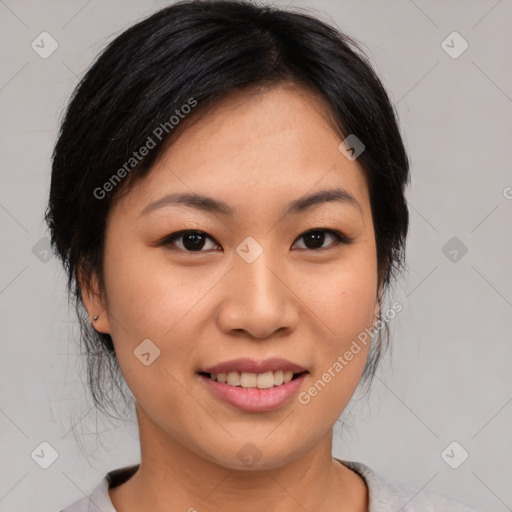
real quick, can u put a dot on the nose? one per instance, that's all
(258, 299)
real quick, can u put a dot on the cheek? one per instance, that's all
(150, 297)
(350, 306)
(153, 302)
(163, 303)
(344, 301)
(346, 308)
(343, 298)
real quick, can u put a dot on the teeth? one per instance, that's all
(265, 380)
(254, 380)
(248, 380)
(278, 378)
(233, 379)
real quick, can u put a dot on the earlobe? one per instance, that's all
(100, 322)
(94, 304)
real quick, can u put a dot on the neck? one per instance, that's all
(170, 473)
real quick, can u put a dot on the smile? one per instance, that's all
(254, 380)
(253, 398)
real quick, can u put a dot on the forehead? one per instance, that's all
(275, 144)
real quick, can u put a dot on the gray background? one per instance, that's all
(448, 376)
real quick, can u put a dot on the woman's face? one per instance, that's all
(252, 286)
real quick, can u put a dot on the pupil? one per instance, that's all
(197, 241)
(316, 236)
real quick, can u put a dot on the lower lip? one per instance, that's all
(254, 399)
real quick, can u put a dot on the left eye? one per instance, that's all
(194, 241)
(316, 237)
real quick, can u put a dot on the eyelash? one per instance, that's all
(339, 239)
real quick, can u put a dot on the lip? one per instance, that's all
(272, 364)
(254, 399)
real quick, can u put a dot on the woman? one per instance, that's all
(227, 198)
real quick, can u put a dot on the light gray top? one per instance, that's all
(385, 496)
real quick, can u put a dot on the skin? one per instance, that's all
(256, 151)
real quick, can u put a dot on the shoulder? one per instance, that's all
(387, 496)
(99, 499)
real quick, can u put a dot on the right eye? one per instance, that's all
(190, 240)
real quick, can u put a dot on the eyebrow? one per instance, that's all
(211, 205)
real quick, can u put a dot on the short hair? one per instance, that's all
(206, 50)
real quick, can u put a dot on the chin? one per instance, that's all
(256, 454)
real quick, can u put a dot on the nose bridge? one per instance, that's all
(257, 301)
(257, 279)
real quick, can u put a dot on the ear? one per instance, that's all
(94, 303)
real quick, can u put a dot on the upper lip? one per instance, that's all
(252, 366)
